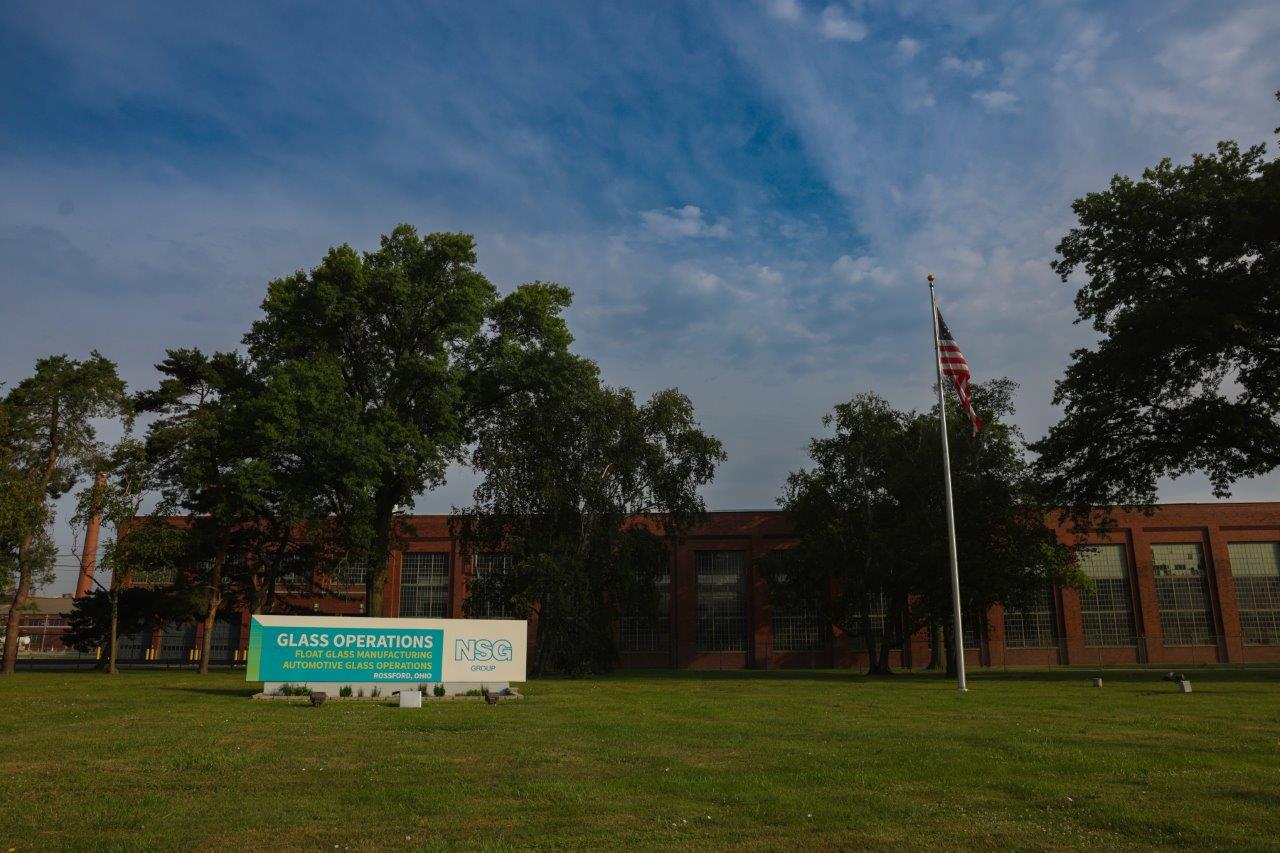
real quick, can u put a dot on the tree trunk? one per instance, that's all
(885, 646)
(112, 645)
(540, 638)
(936, 646)
(15, 618)
(215, 602)
(873, 666)
(20, 597)
(375, 584)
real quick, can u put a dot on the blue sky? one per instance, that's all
(745, 197)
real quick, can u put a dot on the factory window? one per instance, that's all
(353, 571)
(424, 585)
(489, 571)
(1181, 594)
(720, 592)
(177, 641)
(798, 628)
(1034, 627)
(879, 613)
(294, 573)
(1108, 610)
(649, 632)
(1255, 566)
(225, 639)
(133, 646)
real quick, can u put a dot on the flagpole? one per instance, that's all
(958, 643)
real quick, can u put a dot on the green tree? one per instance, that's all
(49, 438)
(844, 509)
(583, 490)
(1008, 554)
(870, 518)
(204, 447)
(1182, 284)
(403, 348)
(131, 610)
(127, 477)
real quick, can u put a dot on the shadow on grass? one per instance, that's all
(239, 692)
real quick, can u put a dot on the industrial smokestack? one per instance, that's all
(89, 554)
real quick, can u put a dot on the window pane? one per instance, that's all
(645, 632)
(133, 646)
(721, 596)
(424, 585)
(798, 628)
(1181, 595)
(1108, 610)
(1255, 566)
(176, 642)
(879, 608)
(295, 573)
(225, 639)
(490, 570)
(1033, 628)
(352, 572)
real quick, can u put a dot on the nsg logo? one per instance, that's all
(482, 650)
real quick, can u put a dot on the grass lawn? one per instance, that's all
(817, 759)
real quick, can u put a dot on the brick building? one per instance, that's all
(1191, 583)
(42, 624)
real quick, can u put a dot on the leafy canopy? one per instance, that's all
(1182, 283)
(48, 440)
(385, 362)
(870, 520)
(583, 488)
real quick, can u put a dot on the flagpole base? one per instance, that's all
(962, 689)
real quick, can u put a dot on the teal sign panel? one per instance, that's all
(343, 654)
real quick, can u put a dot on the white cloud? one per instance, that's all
(838, 26)
(996, 99)
(697, 279)
(967, 67)
(908, 48)
(687, 221)
(861, 270)
(765, 275)
(923, 102)
(1014, 63)
(785, 10)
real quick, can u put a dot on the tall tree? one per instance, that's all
(127, 477)
(49, 438)
(870, 519)
(1182, 283)
(203, 445)
(1008, 554)
(843, 509)
(408, 344)
(583, 491)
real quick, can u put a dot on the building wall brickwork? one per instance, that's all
(754, 533)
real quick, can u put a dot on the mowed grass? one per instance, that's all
(153, 759)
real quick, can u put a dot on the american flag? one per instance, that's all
(954, 365)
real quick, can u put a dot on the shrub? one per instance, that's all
(438, 690)
(293, 690)
(345, 692)
(376, 691)
(360, 693)
(474, 693)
